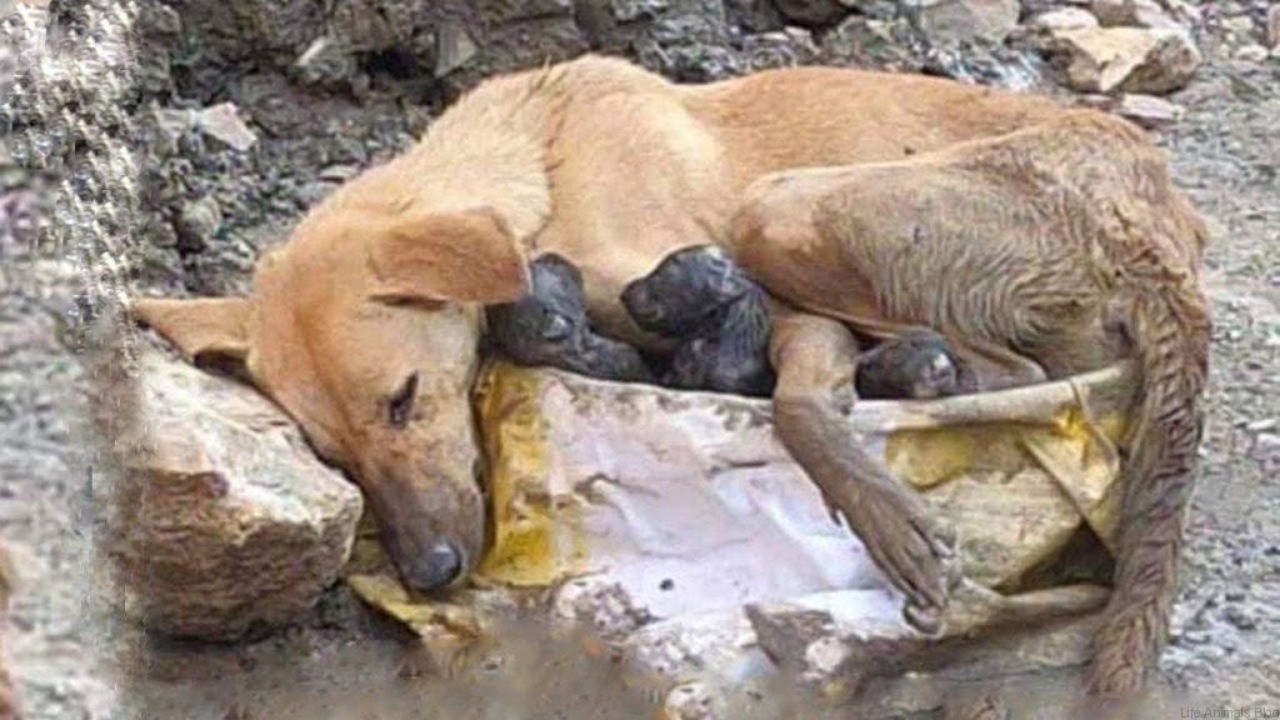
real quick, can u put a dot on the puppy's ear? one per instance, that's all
(206, 330)
(468, 256)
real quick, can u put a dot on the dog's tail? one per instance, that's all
(1170, 328)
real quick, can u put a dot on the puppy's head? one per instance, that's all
(687, 286)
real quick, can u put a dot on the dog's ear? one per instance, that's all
(205, 330)
(468, 256)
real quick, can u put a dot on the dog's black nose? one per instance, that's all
(436, 569)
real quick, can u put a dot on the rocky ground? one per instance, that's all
(214, 187)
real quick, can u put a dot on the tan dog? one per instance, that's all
(1023, 227)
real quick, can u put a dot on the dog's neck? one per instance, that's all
(491, 149)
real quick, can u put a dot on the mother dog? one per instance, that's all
(1017, 226)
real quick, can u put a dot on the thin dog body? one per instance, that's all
(366, 325)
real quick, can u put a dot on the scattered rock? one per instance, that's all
(791, 47)
(172, 124)
(952, 21)
(325, 62)
(223, 123)
(223, 519)
(1239, 27)
(1131, 13)
(1273, 27)
(1266, 450)
(831, 655)
(693, 701)
(1136, 60)
(1149, 111)
(197, 224)
(813, 13)
(1239, 618)
(339, 173)
(455, 48)
(1252, 52)
(1068, 18)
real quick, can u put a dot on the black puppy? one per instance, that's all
(699, 297)
(919, 365)
(549, 326)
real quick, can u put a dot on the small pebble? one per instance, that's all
(1239, 618)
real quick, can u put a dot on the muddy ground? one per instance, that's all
(209, 209)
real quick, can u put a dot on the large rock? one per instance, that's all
(1133, 60)
(222, 519)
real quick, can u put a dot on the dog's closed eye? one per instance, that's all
(401, 403)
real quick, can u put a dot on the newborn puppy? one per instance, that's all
(549, 327)
(698, 296)
(918, 365)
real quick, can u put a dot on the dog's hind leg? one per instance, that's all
(815, 360)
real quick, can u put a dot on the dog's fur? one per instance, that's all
(1014, 226)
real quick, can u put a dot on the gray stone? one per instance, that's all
(694, 701)
(223, 123)
(1069, 18)
(812, 13)
(1238, 27)
(197, 224)
(625, 11)
(455, 48)
(1253, 53)
(222, 518)
(754, 16)
(1131, 13)
(779, 49)
(1273, 27)
(952, 21)
(1149, 111)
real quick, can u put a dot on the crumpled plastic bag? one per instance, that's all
(679, 527)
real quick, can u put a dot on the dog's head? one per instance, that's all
(365, 328)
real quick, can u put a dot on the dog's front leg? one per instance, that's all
(815, 362)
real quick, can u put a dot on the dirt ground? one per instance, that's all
(343, 662)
